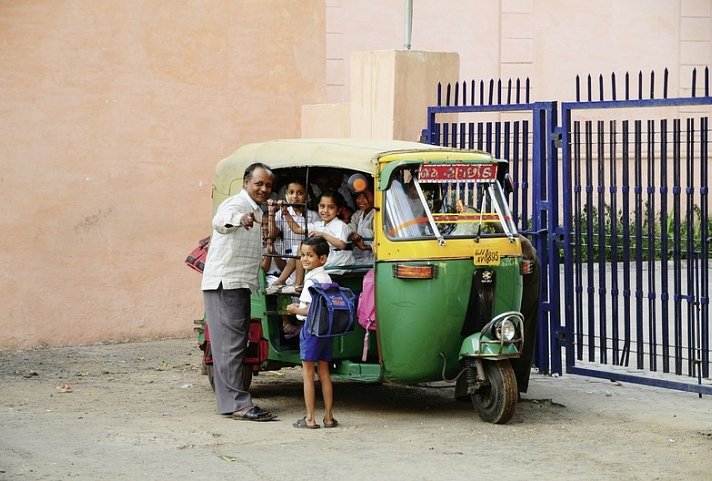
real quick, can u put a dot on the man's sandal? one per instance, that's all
(255, 413)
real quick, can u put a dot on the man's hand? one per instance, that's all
(248, 221)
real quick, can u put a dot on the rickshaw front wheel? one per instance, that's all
(496, 399)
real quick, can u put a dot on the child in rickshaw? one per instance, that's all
(295, 194)
(314, 350)
(362, 228)
(330, 227)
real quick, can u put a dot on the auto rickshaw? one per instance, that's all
(448, 270)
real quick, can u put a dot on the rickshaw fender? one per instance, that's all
(472, 346)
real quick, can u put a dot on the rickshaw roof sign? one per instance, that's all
(356, 154)
(457, 172)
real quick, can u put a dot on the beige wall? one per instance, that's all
(113, 115)
(550, 41)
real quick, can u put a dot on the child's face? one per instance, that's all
(346, 214)
(327, 209)
(295, 193)
(310, 259)
(364, 201)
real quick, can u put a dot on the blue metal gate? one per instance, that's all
(621, 222)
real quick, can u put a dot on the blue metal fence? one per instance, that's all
(636, 229)
(621, 222)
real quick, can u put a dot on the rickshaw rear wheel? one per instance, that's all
(496, 401)
(246, 376)
(209, 367)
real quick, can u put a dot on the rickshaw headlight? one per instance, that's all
(506, 330)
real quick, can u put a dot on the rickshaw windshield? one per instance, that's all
(446, 201)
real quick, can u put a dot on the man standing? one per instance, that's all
(230, 275)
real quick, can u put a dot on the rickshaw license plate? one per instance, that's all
(486, 257)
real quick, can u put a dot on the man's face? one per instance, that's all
(259, 187)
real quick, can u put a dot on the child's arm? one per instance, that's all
(295, 309)
(334, 241)
(296, 228)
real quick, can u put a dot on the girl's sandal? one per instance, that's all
(332, 424)
(302, 424)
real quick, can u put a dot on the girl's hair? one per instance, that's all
(320, 245)
(336, 196)
(296, 181)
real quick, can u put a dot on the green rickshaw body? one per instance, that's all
(420, 323)
(428, 253)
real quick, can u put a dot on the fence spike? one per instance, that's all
(447, 95)
(707, 81)
(640, 85)
(652, 84)
(527, 89)
(509, 92)
(694, 81)
(589, 87)
(578, 88)
(627, 86)
(491, 91)
(600, 88)
(440, 94)
(457, 94)
(482, 92)
(499, 91)
(472, 92)
(665, 84)
(613, 86)
(518, 86)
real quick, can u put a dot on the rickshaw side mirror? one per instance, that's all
(503, 177)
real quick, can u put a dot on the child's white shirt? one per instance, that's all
(337, 228)
(315, 275)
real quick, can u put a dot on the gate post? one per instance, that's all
(545, 218)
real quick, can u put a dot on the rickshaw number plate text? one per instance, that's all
(486, 257)
(457, 172)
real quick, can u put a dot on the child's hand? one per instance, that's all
(292, 308)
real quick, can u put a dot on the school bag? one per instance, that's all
(367, 303)
(196, 258)
(366, 311)
(332, 311)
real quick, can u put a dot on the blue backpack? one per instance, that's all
(332, 311)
